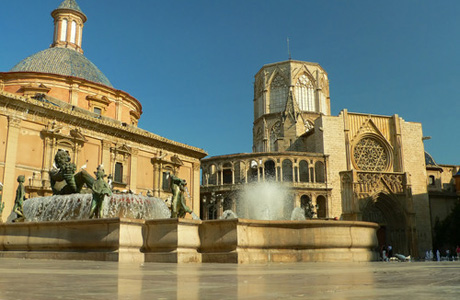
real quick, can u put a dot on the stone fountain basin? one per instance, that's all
(184, 240)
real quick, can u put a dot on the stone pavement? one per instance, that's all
(47, 279)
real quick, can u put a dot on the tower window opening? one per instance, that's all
(73, 31)
(63, 30)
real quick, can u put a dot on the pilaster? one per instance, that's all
(9, 175)
(133, 173)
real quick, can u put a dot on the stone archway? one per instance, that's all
(393, 220)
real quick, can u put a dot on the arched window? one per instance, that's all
(274, 134)
(305, 94)
(304, 201)
(227, 173)
(321, 207)
(287, 170)
(63, 30)
(228, 204)
(431, 180)
(303, 171)
(73, 31)
(270, 171)
(319, 171)
(253, 171)
(213, 175)
(278, 94)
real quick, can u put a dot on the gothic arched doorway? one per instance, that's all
(390, 215)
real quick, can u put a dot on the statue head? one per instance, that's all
(100, 173)
(21, 178)
(61, 158)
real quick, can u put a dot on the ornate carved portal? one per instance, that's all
(383, 198)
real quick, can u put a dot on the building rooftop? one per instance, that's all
(62, 61)
(70, 4)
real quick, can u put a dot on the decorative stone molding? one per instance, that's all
(14, 122)
(32, 89)
(98, 101)
(120, 153)
(134, 114)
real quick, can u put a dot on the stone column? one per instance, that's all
(9, 173)
(133, 169)
(298, 173)
(47, 158)
(156, 178)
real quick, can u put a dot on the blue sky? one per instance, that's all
(192, 63)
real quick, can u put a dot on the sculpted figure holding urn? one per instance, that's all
(64, 180)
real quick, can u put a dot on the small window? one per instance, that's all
(98, 111)
(166, 182)
(431, 180)
(118, 172)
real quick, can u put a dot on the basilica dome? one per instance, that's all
(62, 61)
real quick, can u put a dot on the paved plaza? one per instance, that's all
(46, 279)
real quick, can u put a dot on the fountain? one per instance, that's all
(268, 228)
(78, 207)
(128, 227)
(268, 200)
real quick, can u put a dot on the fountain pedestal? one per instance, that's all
(172, 240)
(254, 241)
(185, 241)
(116, 239)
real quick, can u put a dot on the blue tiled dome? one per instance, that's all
(70, 4)
(429, 160)
(62, 61)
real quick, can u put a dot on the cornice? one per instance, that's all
(113, 127)
(70, 80)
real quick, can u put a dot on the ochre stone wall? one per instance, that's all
(33, 131)
(414, 164)
(331, 142)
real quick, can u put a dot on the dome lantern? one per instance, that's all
(68, 25)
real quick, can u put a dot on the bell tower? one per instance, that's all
(288, 97)
(68, 25)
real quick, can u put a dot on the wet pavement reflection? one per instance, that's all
(47, 279)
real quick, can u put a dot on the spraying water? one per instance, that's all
(268, 200)
(78, 207)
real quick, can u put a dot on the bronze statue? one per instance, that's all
(63, 178)
(20, 198)
(310, 210)
(178, 207)
(100, 190)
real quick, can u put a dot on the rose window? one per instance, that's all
(370, 155)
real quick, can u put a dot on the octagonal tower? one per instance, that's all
(288, 97)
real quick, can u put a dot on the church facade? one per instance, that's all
(353, 166)
(58, 99)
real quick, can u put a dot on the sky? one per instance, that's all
(192, 63)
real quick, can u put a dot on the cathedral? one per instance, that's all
(354, 166)
(58, 99)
